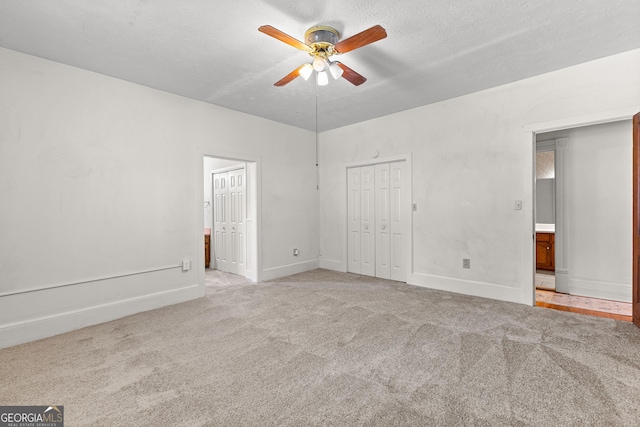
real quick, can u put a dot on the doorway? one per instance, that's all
(588, 247)
(547, 209)
(378, 219)
(238, 250)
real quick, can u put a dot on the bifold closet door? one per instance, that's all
(229, 198)
(399, 217)
(383, 228)
(377, 214)
(361, 213)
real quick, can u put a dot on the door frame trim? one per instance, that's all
(228, 168)
(529, 190)
(408, 245)
(254, 269)
(635, 281)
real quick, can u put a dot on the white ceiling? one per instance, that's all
(211, 50)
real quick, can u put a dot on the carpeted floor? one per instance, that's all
(325, 348)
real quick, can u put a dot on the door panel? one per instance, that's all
(233, 195)
(354, 252)
(220, 191)
(383, 227)
(229, 221)
(367, 224)
(399, 209)
(353, 220)
(236, 222)
(240, 222)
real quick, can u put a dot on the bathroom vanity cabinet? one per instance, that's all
(545, 255)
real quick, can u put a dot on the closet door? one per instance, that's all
(398, 217)
(382, 223)
(361, 224)
(377, 214)
(220, 202)
(236, 222)
(367, 223)
(353, 220)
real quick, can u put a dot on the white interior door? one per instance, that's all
(229, 221)
(399, 218)
(236, 221)
(220, 198)
(367, 230)
(353, 220)
(383, 225)
(361, 224)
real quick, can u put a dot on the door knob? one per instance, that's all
(384, 227)
(223, 228)
(366, 227)
(233, 229)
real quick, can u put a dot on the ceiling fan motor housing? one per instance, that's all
(321, 38)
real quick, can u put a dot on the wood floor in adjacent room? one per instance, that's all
(547, 297)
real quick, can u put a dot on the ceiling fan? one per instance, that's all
(321, 43)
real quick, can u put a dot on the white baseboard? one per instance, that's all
(33, 329)
(562, 280)
(288, 270)
(599, 289)
(468, 287)
(331, 264)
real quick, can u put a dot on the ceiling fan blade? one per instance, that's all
(289, 77)
(351, 76)
(277, 34)
(364, 38)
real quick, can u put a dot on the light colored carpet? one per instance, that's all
(325, 348)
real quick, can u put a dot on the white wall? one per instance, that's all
(598, 209)
(99, 178)
(545, 201)
(472, 158)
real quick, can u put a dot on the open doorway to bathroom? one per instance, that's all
(545, 215)
(230, 215)
(583, 219)
(225, 214)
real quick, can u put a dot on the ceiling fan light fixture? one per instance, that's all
(319, 64)
(335, 70)
(305, 71)
(323, 78)
(322, 42)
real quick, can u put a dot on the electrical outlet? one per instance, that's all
(186, 265)
(295, 252)
(466, 263)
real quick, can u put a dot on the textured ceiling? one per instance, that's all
(212, 51)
